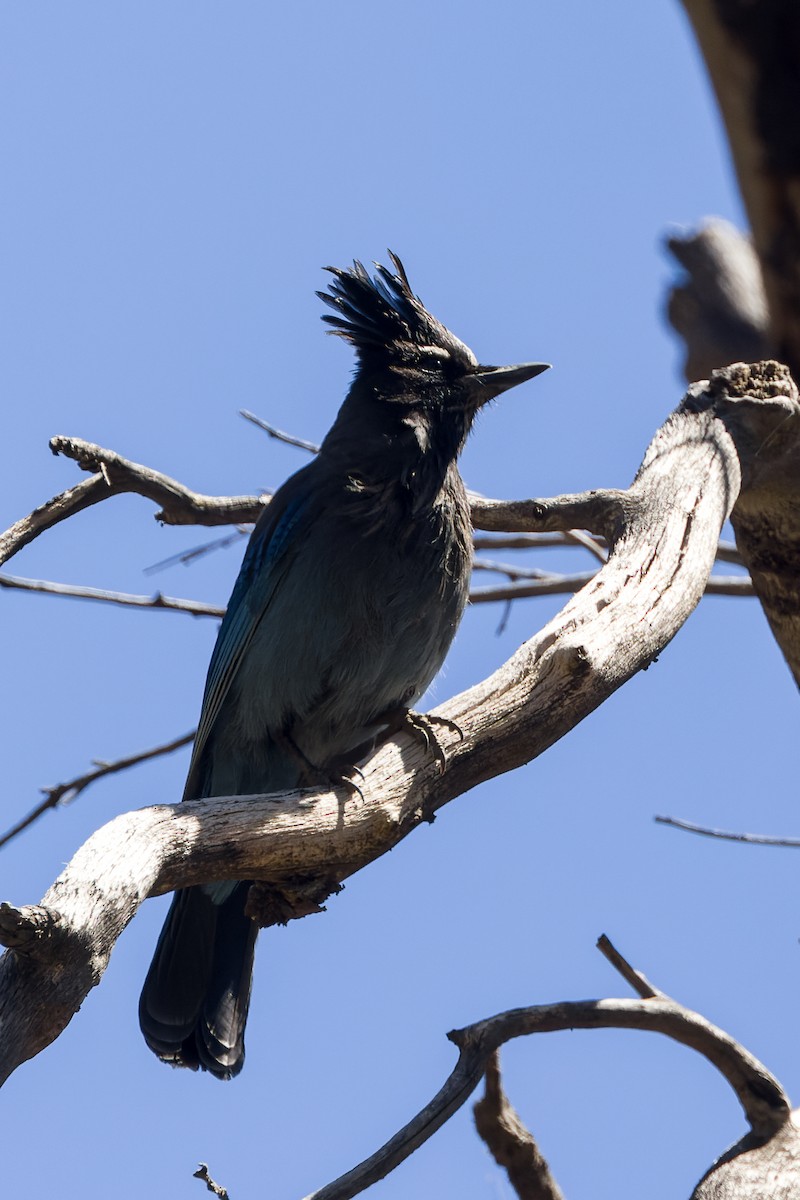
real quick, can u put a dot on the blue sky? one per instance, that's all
(176, 176)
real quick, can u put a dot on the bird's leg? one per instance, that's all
(336, 773)
(420, 726)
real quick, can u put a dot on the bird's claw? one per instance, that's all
(421, 726)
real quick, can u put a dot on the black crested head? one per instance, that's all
(408, 354)
(417, 387)
(389, 327)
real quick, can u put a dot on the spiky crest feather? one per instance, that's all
(382, 317)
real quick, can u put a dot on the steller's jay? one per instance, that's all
(350, 592)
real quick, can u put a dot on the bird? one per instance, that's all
(350, 592)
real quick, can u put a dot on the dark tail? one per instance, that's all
(194, 1002)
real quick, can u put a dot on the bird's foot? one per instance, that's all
(340, 775)
(421, 726)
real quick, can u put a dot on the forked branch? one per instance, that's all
(764, 1101)
(660, 558)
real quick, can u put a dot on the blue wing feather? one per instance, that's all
(260, 573)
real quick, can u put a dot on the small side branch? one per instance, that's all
(603, 511)
(642, 986)
(194, 608)
(564, 585)
(65, 505)
(511, 1145)
(278, 434)
(753, 839)
(63, 793)
(179, 504)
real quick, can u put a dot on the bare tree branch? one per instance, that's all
(539, 583)
(562, 585)
(603, 511)
(729, 553)
(764, 1101)
(185, 557)
(642, 986)
(179, 505)
(596, 511)
(754, 839)
(113, 475)
(64, 793)
(654, 577)
(278, 434)
(617, 624)
(66, 504)
(511, 1145)
(520, 541)
(194, 608)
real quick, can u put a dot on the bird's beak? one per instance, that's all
(488, 382)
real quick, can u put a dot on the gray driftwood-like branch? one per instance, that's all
(773, 1133)
(113, 475)
(663, 535)
(762, 413)
(601, 511)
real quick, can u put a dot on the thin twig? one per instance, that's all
(640, 984)
(511, 572)
(536, 583)
(186, 557)
(519, 541)
(278, 434)
(577, 537)
(558, 585)
(753, 839)
(64, 793)
(196, 608)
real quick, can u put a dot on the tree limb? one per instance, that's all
(617, 624)
(762, 413)
(179, 504)
(764, 1101)
(752, 52)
